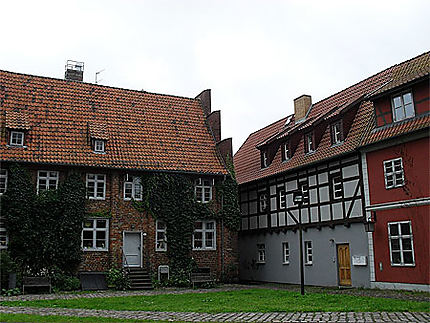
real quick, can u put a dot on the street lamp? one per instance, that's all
(298, 199)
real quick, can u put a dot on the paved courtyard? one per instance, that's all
(207, 317)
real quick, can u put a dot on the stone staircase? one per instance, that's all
(139, 279)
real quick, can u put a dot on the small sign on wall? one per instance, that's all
(359, 260)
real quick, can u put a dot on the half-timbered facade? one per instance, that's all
(396, 166)
(314, 153)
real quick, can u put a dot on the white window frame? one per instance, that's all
(309, 140)
(285, 151)
(397, 175)
(282, 199)
(96, 182)
(199, 184)
(402, 106)
(308, 252)
(135, 183)
(304, 188)
(400, 237)
(337, 187)
(47, 178)
(263, 202)
(337, 135)
(265, 161)
(3, 175)
(261, 253)
(99, 146)
(285, 253)
(17, 143)
(204, 230)
(157, 239)
(94, 230)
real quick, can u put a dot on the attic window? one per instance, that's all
(403, 106)
(336, 133)
(309, 143)
(16, 138)
(264, 160)
(285, 153)
(99, 146)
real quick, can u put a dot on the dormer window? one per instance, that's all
(264, 160)
(336, 133)
(309, 143)
(16, 138)
(99, 146)
(403, 106)
(285, 153)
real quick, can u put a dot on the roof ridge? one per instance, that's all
(101, 85)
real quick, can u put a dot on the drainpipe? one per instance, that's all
(222, 239)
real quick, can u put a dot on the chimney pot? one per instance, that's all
(301, 107)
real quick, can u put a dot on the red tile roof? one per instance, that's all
(247, 159)
(144, 130)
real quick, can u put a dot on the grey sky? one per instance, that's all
(256, 56)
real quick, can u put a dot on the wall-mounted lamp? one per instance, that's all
(369, 225)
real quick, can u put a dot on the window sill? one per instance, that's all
(99, 152)
(204, 249)
(308, 264)
(310, 153)
(285, 263)
(393, 187)
(336, 144)
(261, 262)
(95, 250)
(131, 199)
(160, 250)
(16, 146)
(400, 265)
(97, 198)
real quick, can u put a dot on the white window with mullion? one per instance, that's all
(308, 253)
(47, 180)
(203, 190)
(401, 243)
(133, 189)
(16, 138)
(95, 235)
(285, 253)
(3, 181)
(204, 236)
(160, 236)
(96, 186)
(261, 253)
(403, 106)
(393, 171)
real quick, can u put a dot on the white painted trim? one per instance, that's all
(402, 286)
(399, 204)
(142, 235)
(368, 216)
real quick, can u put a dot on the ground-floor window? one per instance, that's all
(308, 252)
(285, 253)
(160, 236)
(204, 236)
(401, 243)
(261, 253)
(95, 234)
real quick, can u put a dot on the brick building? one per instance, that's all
(113, 136)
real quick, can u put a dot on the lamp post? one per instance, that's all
(298, 199)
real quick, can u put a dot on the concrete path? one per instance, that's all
(227, 317)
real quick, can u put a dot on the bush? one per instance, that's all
(118, 279)
(63, 282)
(7, 266)
(11, 292)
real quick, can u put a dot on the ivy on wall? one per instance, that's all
(44, 230)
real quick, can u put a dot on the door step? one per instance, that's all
(139, 279)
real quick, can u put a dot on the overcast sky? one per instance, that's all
(256, 56)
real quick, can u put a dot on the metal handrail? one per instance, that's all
(125, 260)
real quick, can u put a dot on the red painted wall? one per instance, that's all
(418, 274)
(416, 161)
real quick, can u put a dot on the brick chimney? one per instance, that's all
(74, 71)
(301, 107)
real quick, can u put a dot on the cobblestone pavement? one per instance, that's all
(227, 317)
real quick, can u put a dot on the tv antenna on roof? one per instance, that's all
(97, 74)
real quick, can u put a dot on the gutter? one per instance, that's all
(399, 204)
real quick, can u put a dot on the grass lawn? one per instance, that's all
(54, 318)
(252, 300)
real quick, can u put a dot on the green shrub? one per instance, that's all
(7, 266)
(63, 282)
(118, 279)
(11, 292)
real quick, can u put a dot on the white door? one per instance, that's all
(132, 252)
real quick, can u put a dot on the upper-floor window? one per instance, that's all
(263, 202)
(264, 159)
(3, 181)
(336, 133)
(403, 106)
(16, 138)
(203, 190)
(393, 171)
(337, 187)
(308, 252)
(309, 142)
(282, 199)
(133, 189)
(204, 236)
(401, 243)
(261, 253)
(95, 234)
(47, 180)
(160, 236)
(305, 191)
(96, 186)
(285, 253)
(285, 153)
(99, 146)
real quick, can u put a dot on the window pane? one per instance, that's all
(395, 244)
(88, 224)
(407, 244)
(397, 102)
(101, 235)
(161, 225)
(209, 225)
(407, 98)
(198, 225)
(198, 235)
(405, 228)
(409, 110)
(407, 257)
(88, 235)
(101, 244)
(400, 115)
(101, 223)
(88, 243)
(396, 257)
(394, 230)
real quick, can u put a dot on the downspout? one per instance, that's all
(222, 237)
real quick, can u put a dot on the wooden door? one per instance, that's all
(132, 246)
(344, 264)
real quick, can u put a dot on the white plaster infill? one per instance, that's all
(402, 286)
(399, 204)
